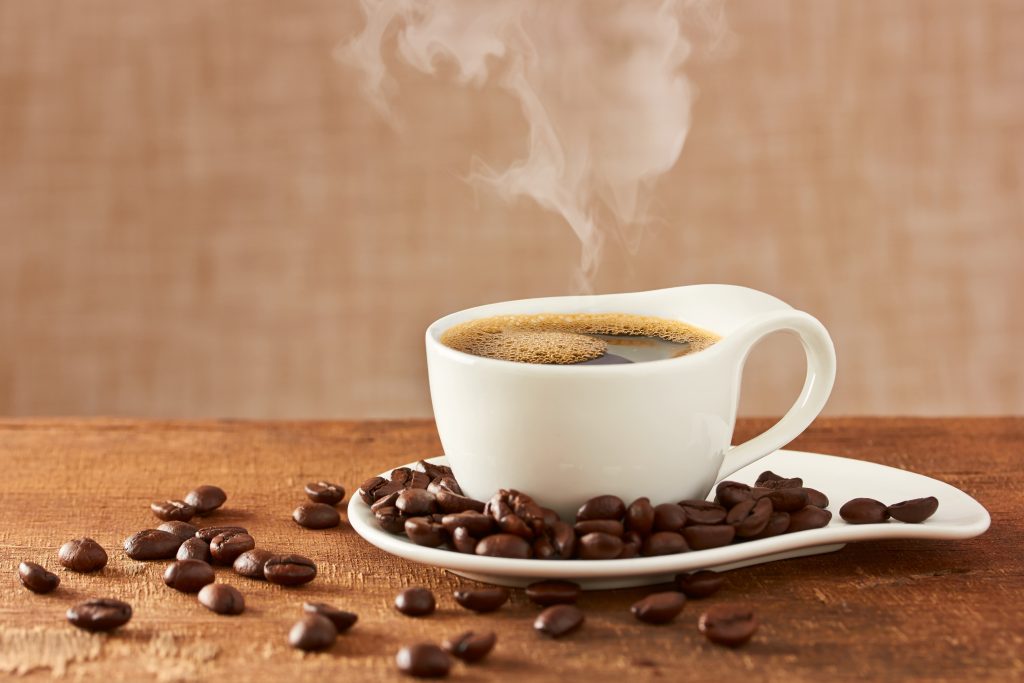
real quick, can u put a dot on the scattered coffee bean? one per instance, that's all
(207, 533)
(194, 549)
(558, 620)
(914, 511)
(226, 547)
(173, 510)
(604, 526)
(810, 517)
(289, 570)
(602, 507)
(182, 530)
(206, 498)
(250, 563)
(423, 660)
(547, 593)
(482, 599)
(669, 517)
(704, 536)
(414, 502)
(341, 619)
(316, 516)
(100, 614)
(36, 578)
(700, 584)
(640, 517)
(664, 543)
(82, 555)
(504, 545)
(729, 625)
(426, 532)
(702, 512)
(152, 544)
(188, 576)
(470, 646)
(864, 511)
(415, 602)
(599, 546)
(222, 599)
(325, 492)
(312, 632)
(816, 498)
(659, 608)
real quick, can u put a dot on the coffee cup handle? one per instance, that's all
(821, 374)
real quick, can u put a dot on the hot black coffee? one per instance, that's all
(578, 338)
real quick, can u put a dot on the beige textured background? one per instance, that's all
(200, 216)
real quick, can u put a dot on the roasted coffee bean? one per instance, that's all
(704, 536)
(418, 480)
(547, 593)
(325, 492)
(387, 488)
(387, 501)
(188, 576)
(463, 541)
(400, 475)
(423, 660)
(750, 517)
(207, 533)
(415, 602)
(563, 539)
(659, 608)
(391, 520)
(449, 502)
(604, 526)
(206, 498)
(602, 507)
(82, 555)
(415, 502)
(729, 625)
(549, 516)
(864, 511)
(702, 512)
(770, 480)
(914, 511)
(423, 531)
(222, 599)
(669, 517)
(544, 549)
(100, 614)
(732, 493)
(226, 547)
(482, 599)
(470, 646)
(631, 544)
(816, 498)
(664, 543)
(152, 544)
(173, 510)
(504, 545)
(341, 619)
(777, 525)
(788, 499)
(316, 516)
(516, 525)
(640, 517)
(758, 492)
(367, 488)
(444, 483)
(289, 570)
(476, 523)
(809, 518)
(182, 530)
(312, 632)
(558, 620)
(434, 471)
(36, 578)
(194, 549)
(250, 563)
(599, 546)
(700, 584)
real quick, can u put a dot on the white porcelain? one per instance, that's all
(660, 429)
(959, 516)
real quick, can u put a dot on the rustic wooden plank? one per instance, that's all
(906, 610)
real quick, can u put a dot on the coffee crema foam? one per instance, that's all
(569, 338)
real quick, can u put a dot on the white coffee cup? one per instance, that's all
(660, 429)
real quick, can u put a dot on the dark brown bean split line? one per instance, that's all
(558, 620)
(82, 555)
(208, 533)
(423, 660)
(222, 599)
(36, 578)
(206, 498)
(728, 625)
(341, 619)
(482, 599)
(173, 510)
(100, 614)
(316, 516)
(325, 492)
(470, 646)
(289, 570)
(702, 584)
(312, 632)
(864, 511)
(914, 511)
(415, 602)
(547, 593)
(659, 608)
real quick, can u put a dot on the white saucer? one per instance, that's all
(841, 479)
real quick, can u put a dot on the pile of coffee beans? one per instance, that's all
(321, 511)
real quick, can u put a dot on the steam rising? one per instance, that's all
(599, 83)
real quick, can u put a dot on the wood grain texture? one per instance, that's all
(895, 610)
(201, 217)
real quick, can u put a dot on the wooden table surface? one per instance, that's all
(895, 610)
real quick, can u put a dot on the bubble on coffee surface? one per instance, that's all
(575, 338)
